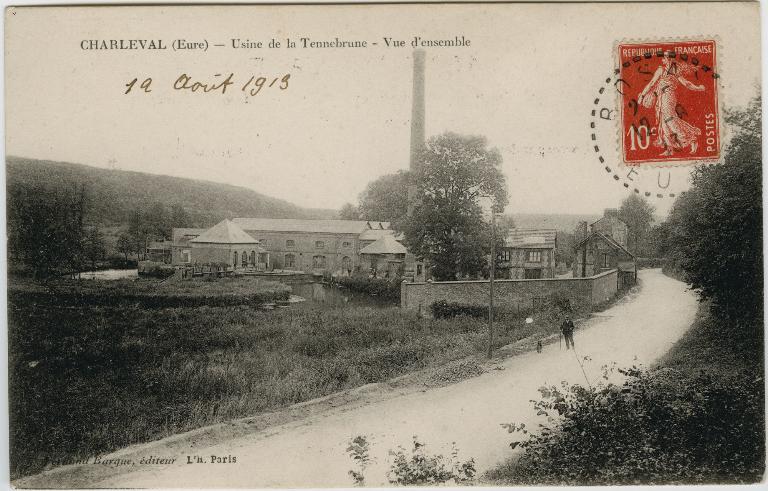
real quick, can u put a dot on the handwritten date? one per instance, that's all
(219, 85)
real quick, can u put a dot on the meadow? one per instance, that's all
(88, 378)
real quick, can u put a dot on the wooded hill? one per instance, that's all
(114, 194)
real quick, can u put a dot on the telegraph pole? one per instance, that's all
(493, 273)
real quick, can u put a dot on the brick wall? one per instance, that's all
(510, 294)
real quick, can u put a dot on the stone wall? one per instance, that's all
(511, 294)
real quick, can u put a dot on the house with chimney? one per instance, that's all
(602, 246)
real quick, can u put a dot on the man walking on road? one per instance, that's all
(567, 329)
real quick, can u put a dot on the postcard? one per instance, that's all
(286, 246)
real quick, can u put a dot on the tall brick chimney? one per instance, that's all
(418, 110)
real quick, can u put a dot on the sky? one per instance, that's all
(526, 82)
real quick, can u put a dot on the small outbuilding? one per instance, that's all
(227, 243)
(384, 257)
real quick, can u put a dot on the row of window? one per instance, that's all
(319, 244)
(532, 256)
(318, 262)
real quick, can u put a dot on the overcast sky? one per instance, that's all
(527, 83)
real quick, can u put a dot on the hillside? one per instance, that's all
(114, 193)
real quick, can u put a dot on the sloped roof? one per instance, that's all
(386, 244)
(606, 238)
(311, 226)
(531, 238)
(225, 232)
(179, 233)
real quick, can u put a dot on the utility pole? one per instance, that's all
(493, 273)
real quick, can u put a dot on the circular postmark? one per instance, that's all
(657, 115)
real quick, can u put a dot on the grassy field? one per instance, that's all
(148, 293)
(89, 378)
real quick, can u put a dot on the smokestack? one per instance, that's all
(417, 107)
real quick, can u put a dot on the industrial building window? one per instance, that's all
(253, 258)
(534, 256)
(346, 264)
(290, 261)
(319, 244)
(234, 261)
(290, 243)
(185, 256)
(605, 260)
(318, 262)
(505, 255)
(244, 259)
(346, 244)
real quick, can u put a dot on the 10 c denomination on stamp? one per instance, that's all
(669, 104)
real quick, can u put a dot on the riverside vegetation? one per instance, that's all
(96, 366)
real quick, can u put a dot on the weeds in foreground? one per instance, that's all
(359, 451)
(414, 468)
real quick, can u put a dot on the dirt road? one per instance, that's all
(311, 450)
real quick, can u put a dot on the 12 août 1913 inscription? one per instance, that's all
(218, 84)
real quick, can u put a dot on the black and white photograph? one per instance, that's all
(384, 245)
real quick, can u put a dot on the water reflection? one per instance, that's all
(334, 296)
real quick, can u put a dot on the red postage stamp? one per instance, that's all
(669, 108)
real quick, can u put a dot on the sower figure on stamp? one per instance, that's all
(567, 328)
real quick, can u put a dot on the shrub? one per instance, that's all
(448, 310)
(657, 427)
(376, 287)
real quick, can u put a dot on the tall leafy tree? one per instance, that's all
(94, 246)
(637, 213)
(715, 228)
(447, 226)
(46, 228)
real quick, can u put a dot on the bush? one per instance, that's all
(420, 468)
(376, 287)
(448, 310)
(658, 427)
(152, 269)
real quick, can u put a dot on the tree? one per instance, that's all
(125, 245)
(386, 198)
(179, 218)
(157, 222)
(94, 246)
(447, 226)
(349, 212)
(637, 213)
(137, 231)
(565, 252)
(715, 228)
(45, 228)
